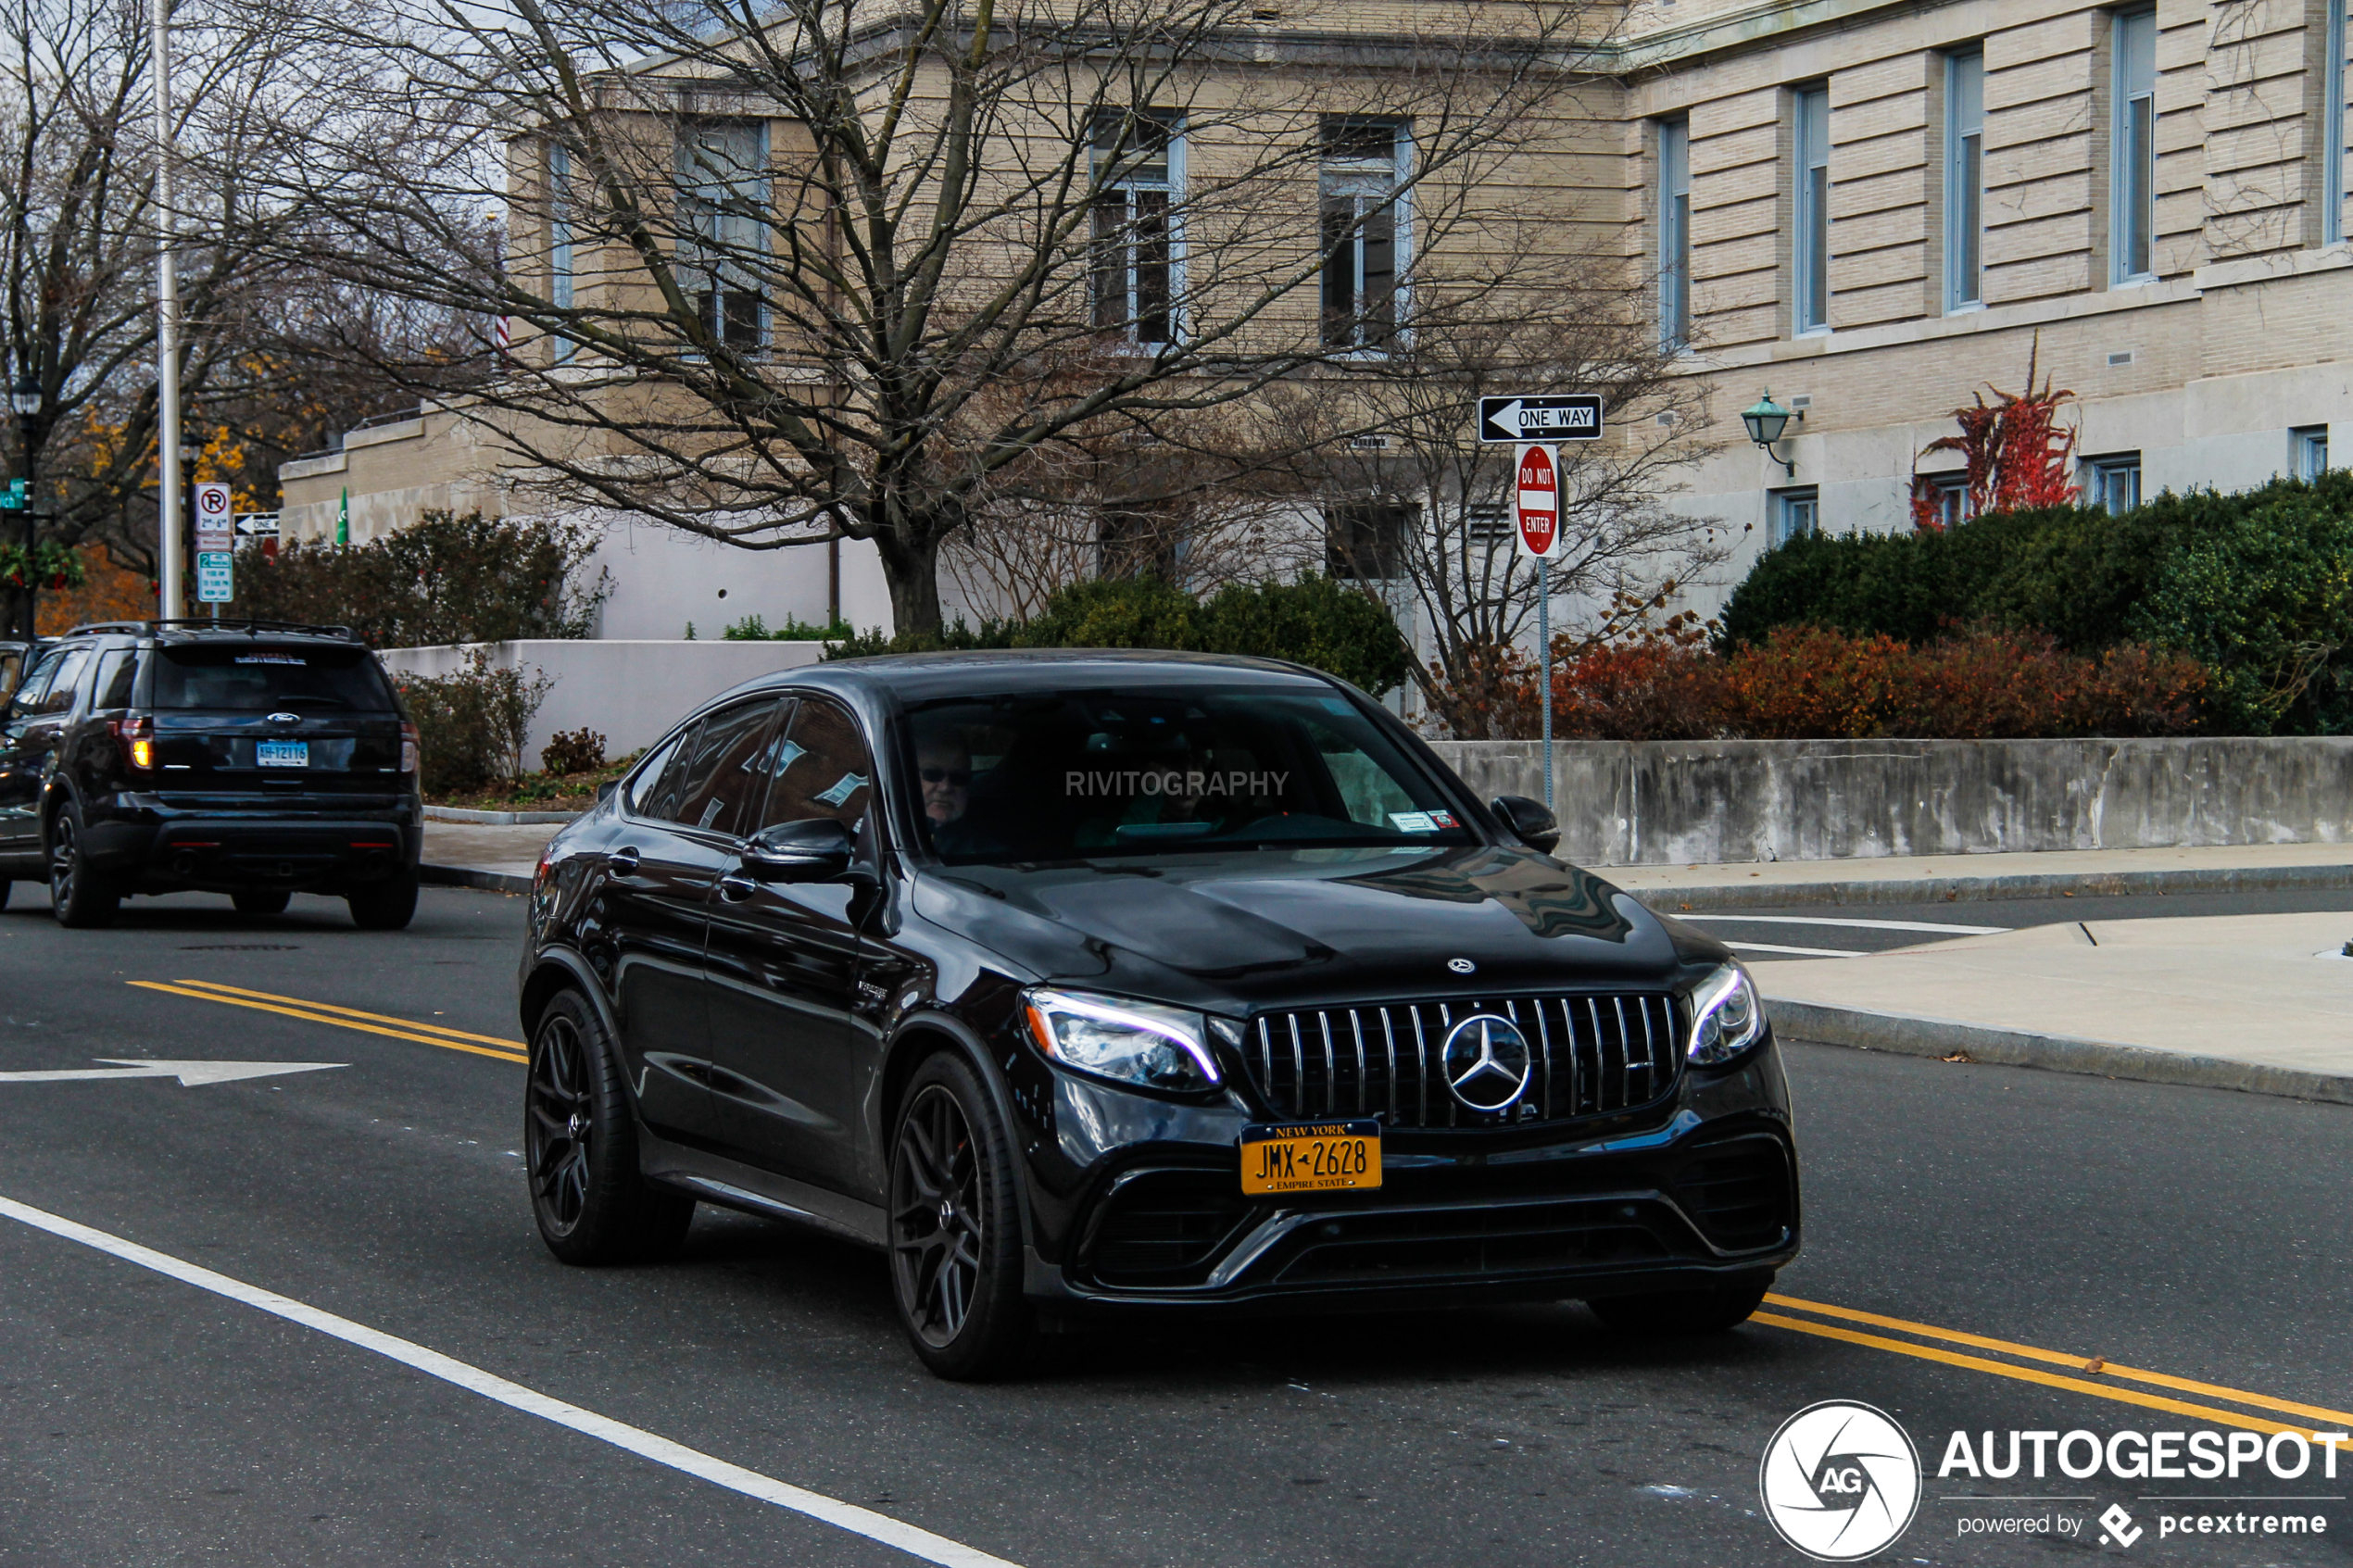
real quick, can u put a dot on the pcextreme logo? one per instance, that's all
(1840, 1481)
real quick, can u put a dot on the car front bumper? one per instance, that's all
(1699, 1190)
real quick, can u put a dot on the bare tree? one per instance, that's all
(833, 270)
(1422, 512)
(79, 226)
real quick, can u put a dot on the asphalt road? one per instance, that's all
(2178, 1233)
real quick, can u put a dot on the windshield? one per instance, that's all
(1068, 775)
(245, 678)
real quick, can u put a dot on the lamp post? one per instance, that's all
(1766, 421)
(25, 397)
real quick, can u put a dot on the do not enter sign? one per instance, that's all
(1539, 486)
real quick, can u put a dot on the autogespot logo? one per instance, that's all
(1840, 1481)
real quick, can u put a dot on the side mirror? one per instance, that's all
(1529, 821)
(604, 790)
(815, 850)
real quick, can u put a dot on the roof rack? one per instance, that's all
(205, 623)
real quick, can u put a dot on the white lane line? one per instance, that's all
(433, 1364)
(1868, 924)
(1801, 952)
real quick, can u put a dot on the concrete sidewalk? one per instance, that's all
(2257, 1002)
(1932, 879)
(499, 859)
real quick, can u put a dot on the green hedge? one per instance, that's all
(2257, 585)
(1313, 622)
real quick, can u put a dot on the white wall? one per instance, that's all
(628, 691)
(663, 578)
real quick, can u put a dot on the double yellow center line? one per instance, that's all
(343, 1018)
(1999, 1358)
(2090, 1375)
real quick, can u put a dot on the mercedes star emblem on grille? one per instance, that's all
(1487, 1062)
(1461, 966)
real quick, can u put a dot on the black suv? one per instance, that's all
(1081, 984)
(248, 758)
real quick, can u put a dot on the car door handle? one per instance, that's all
(623, 859)
(736, 888)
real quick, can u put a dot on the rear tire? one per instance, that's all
(580, 1149)
(80, 895)
(955, 1226)
(387, 906)
(262, 903)
(1682, 1312)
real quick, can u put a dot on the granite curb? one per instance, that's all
(472, 876)
(1904, 1035)
(1761, 894)
(495, 819)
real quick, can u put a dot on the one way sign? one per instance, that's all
(1575, 416)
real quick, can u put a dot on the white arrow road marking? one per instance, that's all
(190, 1073)
(908, 1539)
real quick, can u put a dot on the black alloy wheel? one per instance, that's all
(580, 1149)
(955, 1239)
(78, 894)
(261, 902)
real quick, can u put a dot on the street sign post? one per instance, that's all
(1569, 416)
(216, 578)
(1537, 484)
(216, 525)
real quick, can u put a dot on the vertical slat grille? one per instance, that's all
(1588, 1056)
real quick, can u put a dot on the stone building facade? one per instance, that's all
(1873, 210)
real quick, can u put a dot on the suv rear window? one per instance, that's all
(245, 678)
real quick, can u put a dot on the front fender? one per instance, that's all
(915, 1035)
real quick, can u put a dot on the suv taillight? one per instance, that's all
(137, 736)
(408, 752)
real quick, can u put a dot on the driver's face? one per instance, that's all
(947, 774)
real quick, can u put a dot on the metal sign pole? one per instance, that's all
(1545, 638)
(167, 328)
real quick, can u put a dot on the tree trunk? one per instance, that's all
(910, 566)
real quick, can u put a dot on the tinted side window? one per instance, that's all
(657, 790)
(29, 695)
(729, 766)
(822, 769)
(58, 699)
(118, 672)
(638, 794)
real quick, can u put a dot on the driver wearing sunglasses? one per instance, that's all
(945, 770)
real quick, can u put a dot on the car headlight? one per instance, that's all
(1726, 1017)
(1130, 1042)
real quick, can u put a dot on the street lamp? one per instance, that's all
(25, 397)
(1766, 421)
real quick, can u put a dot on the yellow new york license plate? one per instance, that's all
(1321, 1156)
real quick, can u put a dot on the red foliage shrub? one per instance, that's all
(1808, 683)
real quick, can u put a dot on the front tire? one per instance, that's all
(80, 895)
(1664, 1312)
(387, 906)
(580, 1149)
(260, 903)
(955, 1227)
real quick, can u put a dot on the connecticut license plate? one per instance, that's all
(282, 754)
(1323, 1157)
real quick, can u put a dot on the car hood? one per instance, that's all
(1332, 923)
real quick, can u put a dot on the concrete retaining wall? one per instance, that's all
(1662, 802)
(629, 692)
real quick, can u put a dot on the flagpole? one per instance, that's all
(167, 328)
